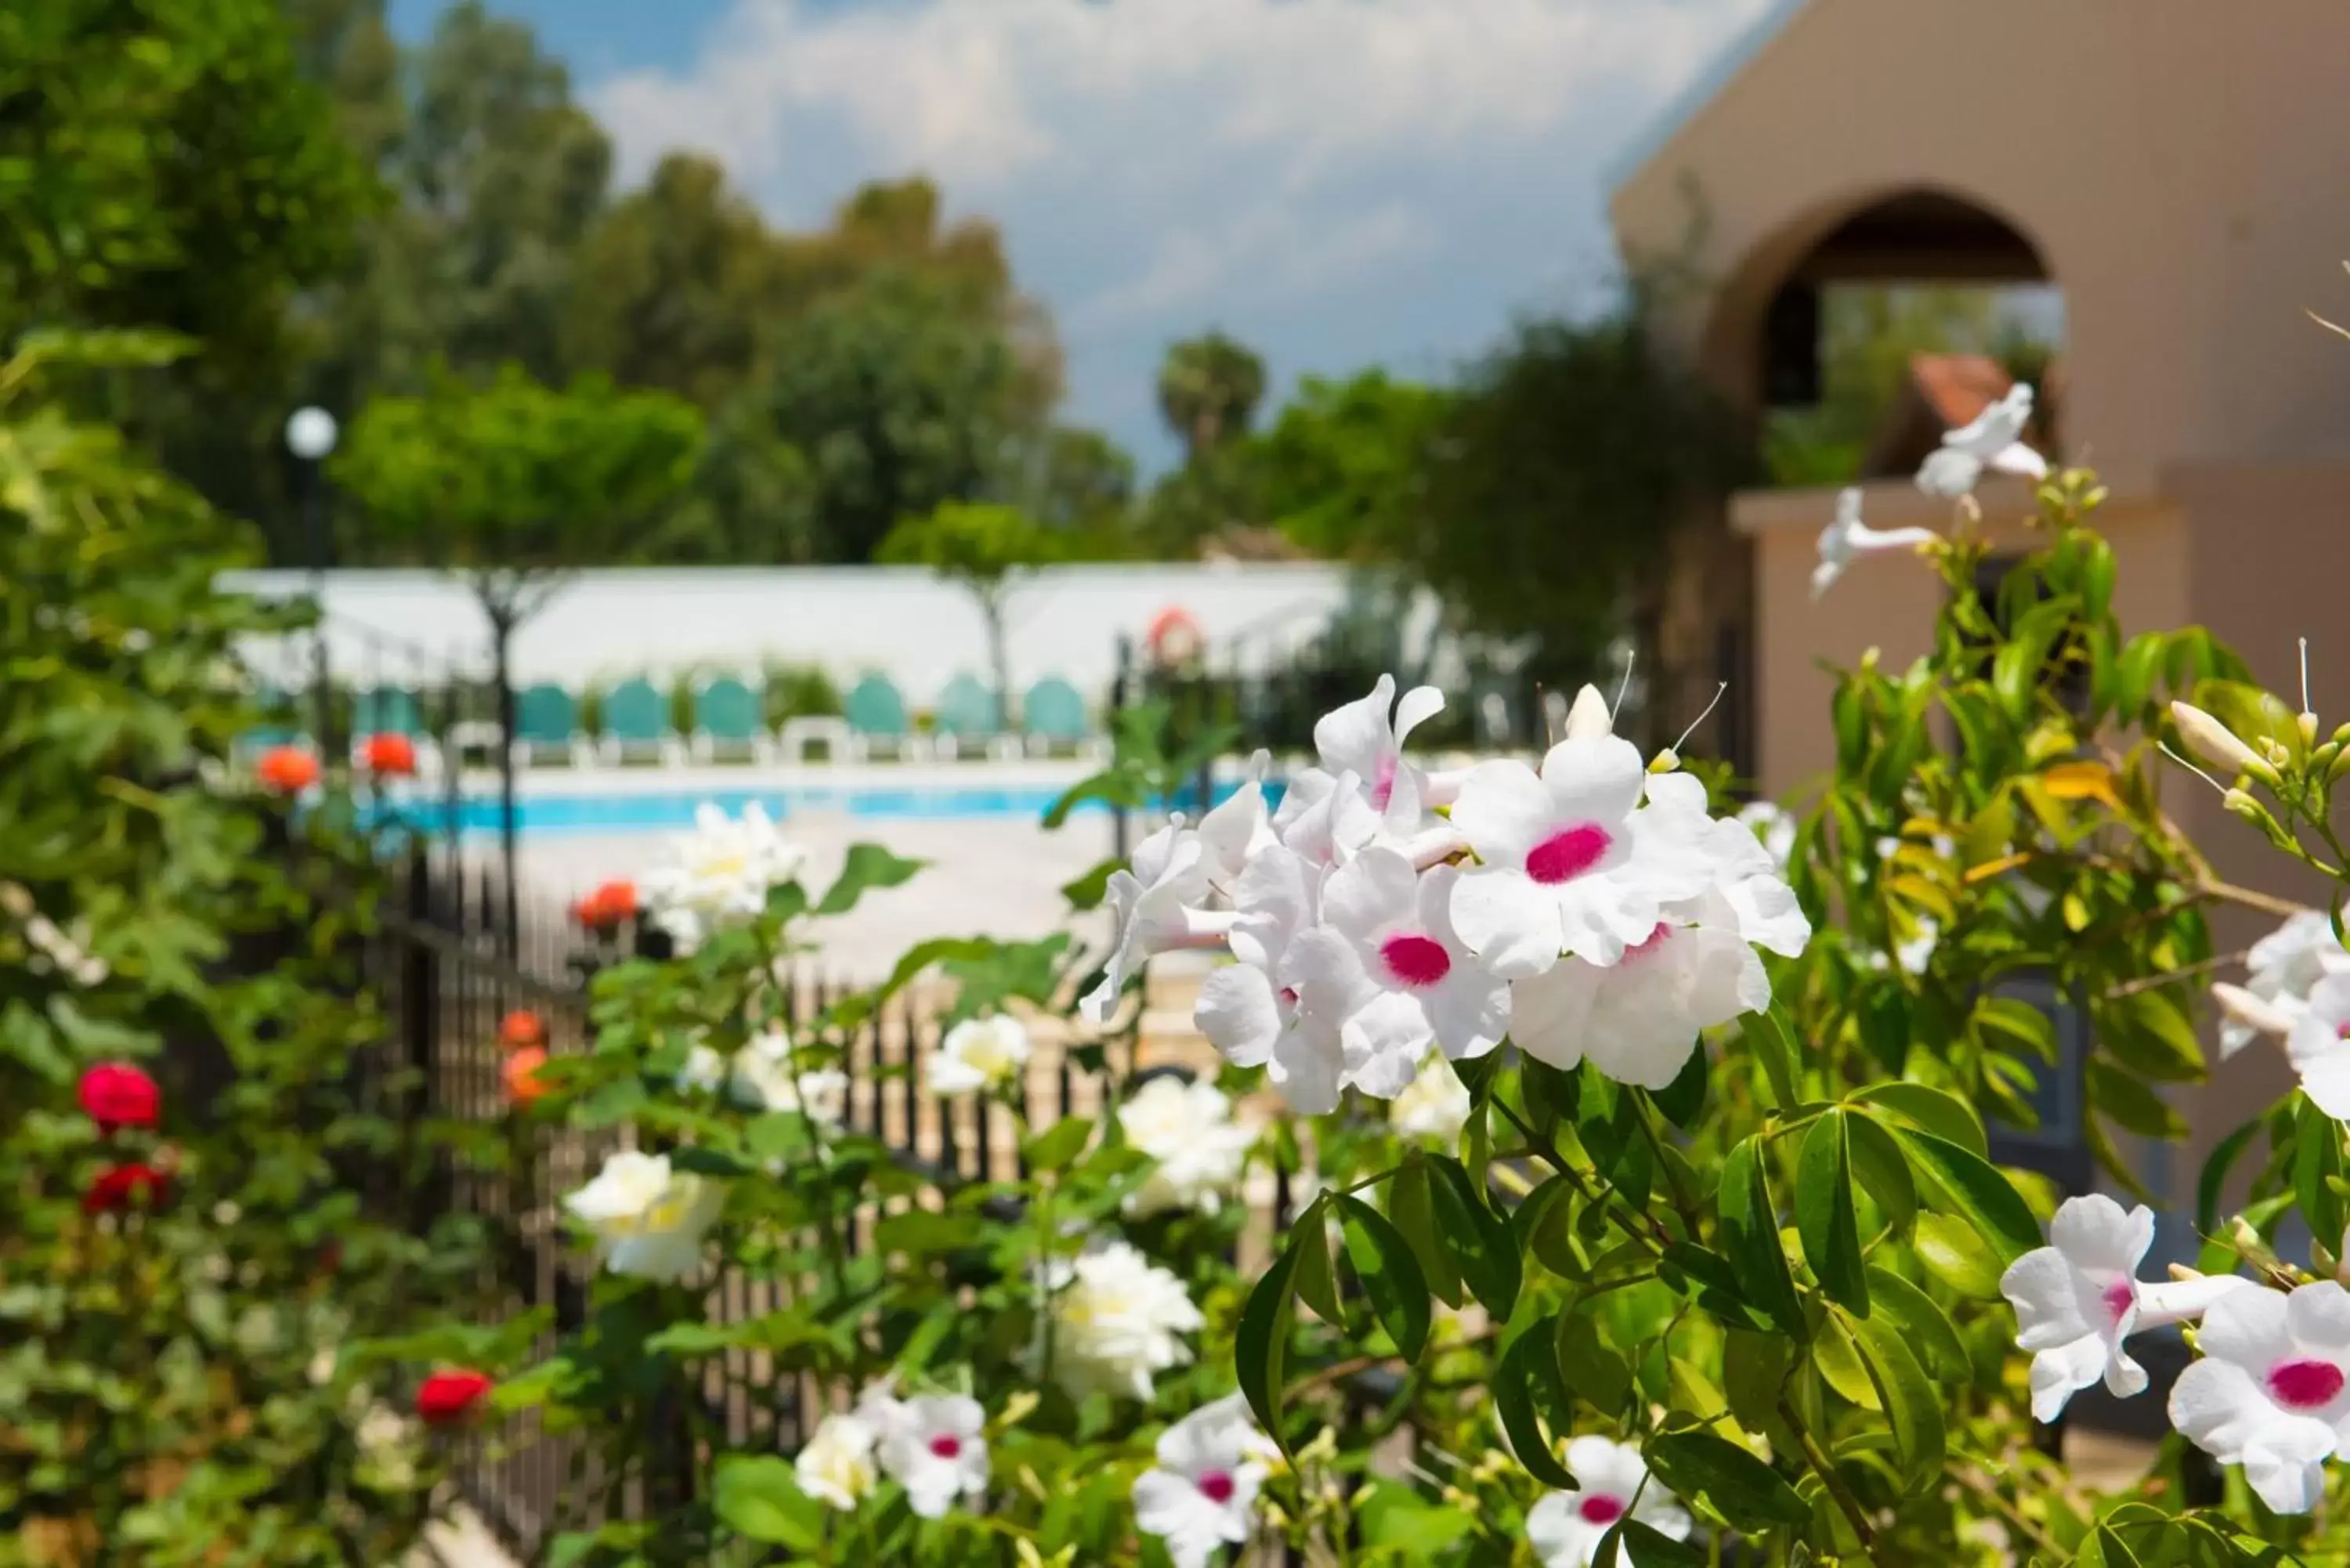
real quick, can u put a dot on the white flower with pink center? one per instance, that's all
(1723, 851)
(1561, 868)
(2283, 967)
(1564, 1528)
(2079, 1298)
(1266, 1010)
(2319, 1046)
(1364, 740)
(1152, 900)
(1203, 1494)
(2272, 1392)
(1638, 1019)
(932, 1445)
(1387, 947)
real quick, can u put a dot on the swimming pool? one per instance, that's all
(666, 811)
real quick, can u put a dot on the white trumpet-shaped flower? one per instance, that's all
(2077, 1299)
(2319, 1045)
(837, 1465)
(1991, 440)
(2271, 1391)
(980, 1056)
(2283, 967)
(1265, 1009)
(1364, 740)
(934, 1445)
(1561, 869)
(1153, 898)
(1564, 1528)
(1201, 1494)
(763, 1077)
(1846, 538)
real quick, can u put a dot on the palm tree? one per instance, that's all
(1208, 390)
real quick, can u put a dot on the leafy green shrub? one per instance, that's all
(188, 1246)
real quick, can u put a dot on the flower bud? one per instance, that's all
(2308, 722)
(2276, 753)
(1665, 762)
(1589, 719)
(2214, 742)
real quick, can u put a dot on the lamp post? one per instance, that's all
(310, 436)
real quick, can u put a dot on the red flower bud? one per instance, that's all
(446, 1398)
(119, 1187)
(524, 1084)
(118, 1094)
(389, 755)
(522, 1028)
(286, 770)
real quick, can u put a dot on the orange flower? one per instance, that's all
(603, 910)
(392, 756)
(286, 770)
(522, 1083)
(520, 1028)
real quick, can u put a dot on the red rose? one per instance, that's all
(288, 770)
(118, 1094)
(524, 1084)
(446, 1398)
(119, 1187)
(391, 756)
(603, 909)
(522, 1028)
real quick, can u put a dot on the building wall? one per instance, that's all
(604, 626)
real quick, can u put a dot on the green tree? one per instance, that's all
(983, 546)
(673, 284)
(899, 402)
(1208, 390)
(1343, 470)
(1555, 476)
(511, 485)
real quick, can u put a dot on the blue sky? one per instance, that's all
(1338, 183)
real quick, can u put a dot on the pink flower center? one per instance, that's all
(2305, 1385)
(1383, 782)
(1597, 1508)
(2342, 1031)
(1567, 854)
(2119, 1297)
(1416, 960)
(1650, 943)
(1216, 1486)
(947, 1446)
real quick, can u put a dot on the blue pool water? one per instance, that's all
(653, 812)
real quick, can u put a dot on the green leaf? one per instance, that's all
(2149, 1031)
(1924, 1326)
(1545, 1225)
(1261, 1350)
(2132, 1105)
(1058, 1144)
(1526, 1362)
(1383, 1260)
(2316, 1155)
(1684, 1097)
(1652, 1548)
(1591, 1369)
(868, 867)
(1953, 1254)
(2210, 1186)
(1882, 1171)
(1317, 1282)
(1750, 1239)
(1978, 1192)
(1774, 1045)
(757, 1496)
(1411, 1205)
(1913, 1410)
(922, 1231)
(1824, 1217)
(1483, 1247)
(1088, 891)
(1699, 1466)
(2020, 1021)
(1945, 1115)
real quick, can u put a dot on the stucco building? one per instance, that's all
(2175, 168)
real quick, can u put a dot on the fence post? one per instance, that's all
(419, 1010)
(1120, 694)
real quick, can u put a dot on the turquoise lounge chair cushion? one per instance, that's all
(874, 707)
(968, 711)
(546, 715)
(634, 711)
(726, 710)
(1054, 711)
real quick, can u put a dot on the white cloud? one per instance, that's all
(1161, 164)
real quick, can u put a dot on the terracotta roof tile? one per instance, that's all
(1958, 386)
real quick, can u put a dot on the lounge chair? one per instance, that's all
(636, 721)
(876, 714)
(726, 717)
(546, 719)
(1053, 716)
(970, 714)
